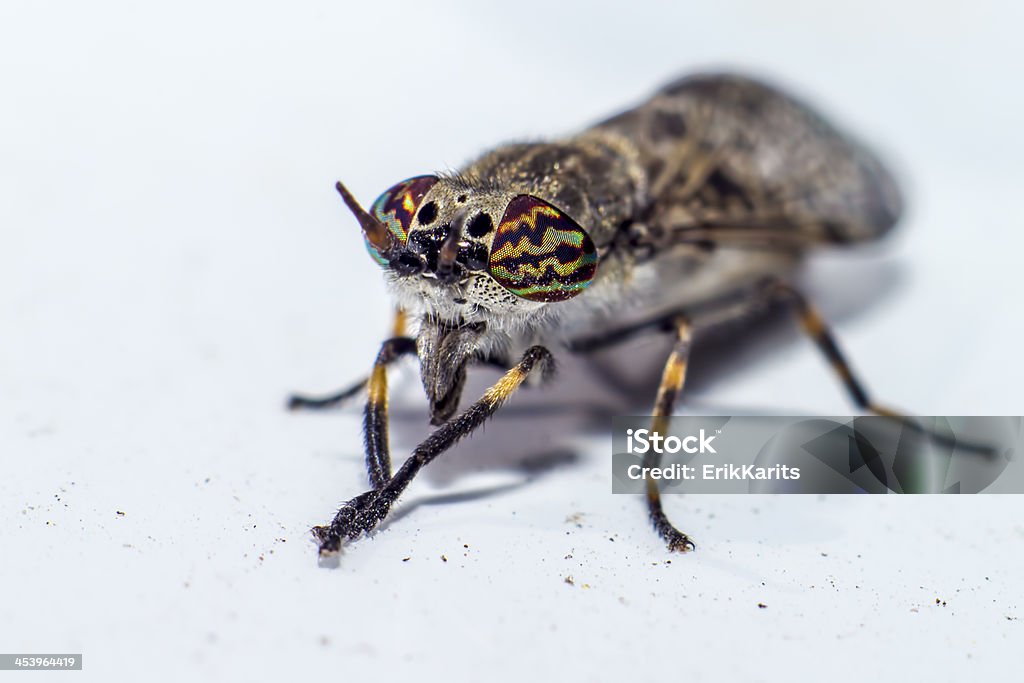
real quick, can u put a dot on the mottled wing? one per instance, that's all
(732, 160)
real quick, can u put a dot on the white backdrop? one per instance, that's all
(174, 260)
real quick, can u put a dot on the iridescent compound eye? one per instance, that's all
(541, 254)
(396, 208)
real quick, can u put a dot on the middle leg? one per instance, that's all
(672, 382)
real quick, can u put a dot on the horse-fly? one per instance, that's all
(687, 211)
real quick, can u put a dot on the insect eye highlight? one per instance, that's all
(541, 254)
(397, 206)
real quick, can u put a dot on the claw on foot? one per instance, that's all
(330, 542)
(349, 524)
(680, 543)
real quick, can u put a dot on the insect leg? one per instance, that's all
(364, 512)
(672, 381)
(305, 402)
(375, 416)
(814, 325)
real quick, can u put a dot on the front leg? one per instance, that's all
(375, 415)
(364, 512)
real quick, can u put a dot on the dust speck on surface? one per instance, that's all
(761, 605)
(444, 558)
(569, 580)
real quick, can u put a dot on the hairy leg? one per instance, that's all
(375, 415)
(364, 512)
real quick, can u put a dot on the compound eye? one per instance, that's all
(396, 208)
(541, 254)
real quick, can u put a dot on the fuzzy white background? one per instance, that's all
(174, 261)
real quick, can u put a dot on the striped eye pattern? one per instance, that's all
(396, 208)
(540, 254)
